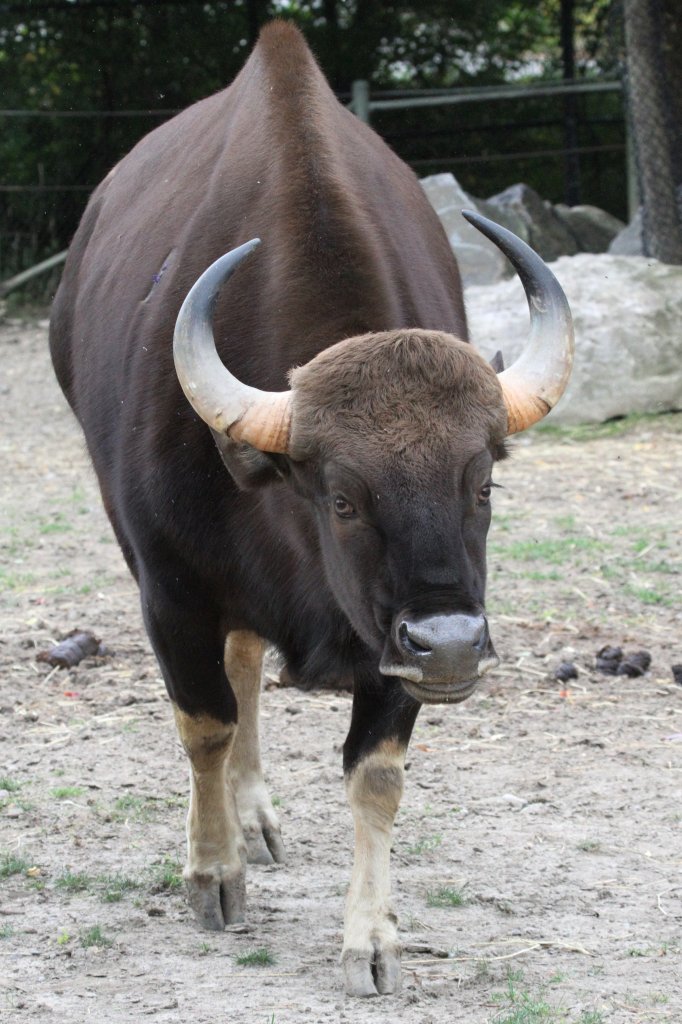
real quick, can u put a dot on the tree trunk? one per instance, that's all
(653, 76)
(572, 190)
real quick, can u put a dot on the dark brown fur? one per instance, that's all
(356, 292)
(427, 390)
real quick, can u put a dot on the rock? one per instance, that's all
(677, 674)
(628, 242)
(480, 262)
(507, 217)
(592, 228)
(627, 312)
(542, 228)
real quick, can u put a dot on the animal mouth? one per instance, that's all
(440, 657)
(440, 693)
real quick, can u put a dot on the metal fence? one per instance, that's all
(364, 104)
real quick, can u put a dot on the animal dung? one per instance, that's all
(75, 646)
(635, 664)
(566, 671)
(608, 660)
(613, 662)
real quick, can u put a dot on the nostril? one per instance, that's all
(480, 640)
(409, 642)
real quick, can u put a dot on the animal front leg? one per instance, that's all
(243, 664)
(216, 853)
(374, 768)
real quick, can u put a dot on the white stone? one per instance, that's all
(627, 312)
(480, 262)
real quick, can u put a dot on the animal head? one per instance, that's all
(392, 437)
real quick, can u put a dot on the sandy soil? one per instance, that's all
(553, 812)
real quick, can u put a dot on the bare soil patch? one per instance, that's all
(539, 842)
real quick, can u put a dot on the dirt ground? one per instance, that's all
(538, 851)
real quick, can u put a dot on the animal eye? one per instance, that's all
(343, 508)
(484, 494)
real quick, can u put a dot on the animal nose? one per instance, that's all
(422, 636)
(444, 646)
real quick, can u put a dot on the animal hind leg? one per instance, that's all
(243, 664)
(189, 647)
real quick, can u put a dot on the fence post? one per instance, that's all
(360, 99)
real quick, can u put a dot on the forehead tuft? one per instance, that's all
(399, 391)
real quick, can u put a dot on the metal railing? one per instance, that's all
(362, 105)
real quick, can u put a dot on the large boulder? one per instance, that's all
(628, 242)
(592, 228)
(480, 262)
(627, 312)
(538, 224)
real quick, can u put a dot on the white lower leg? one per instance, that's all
(216, 855)
(243, 665)
(371, 953)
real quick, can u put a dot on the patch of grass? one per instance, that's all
(94, 937)
(445, 897)
(136, 808)
(612, 428)
(526, 1007)
(6, 931)
(167, 875)
(16, 580)
(590, 846)
(542, 576)
(74, 881)
(63, 938)
(553, 550)
(116, 886)
(11, 864)
(276, 801)
(58, 524)
(65, 792)
(9, 784)
(256, 958)
(566, 523)
(142, 808)
(424, 845)
(647, 595)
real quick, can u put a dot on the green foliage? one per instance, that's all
(167, 875)
(11, 864)
(256, 958)
(445, 897)
(74, 881)
(91, 58)
(424, 845)
(94, 937)
(67, 792)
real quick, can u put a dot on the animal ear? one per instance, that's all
(249, 467)
(497, 362)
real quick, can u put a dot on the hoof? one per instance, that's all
(375, 973)
(264, 845)
(217, 900)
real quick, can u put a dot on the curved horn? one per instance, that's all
(537, 380)
(260, 418)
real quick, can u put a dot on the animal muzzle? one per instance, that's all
(439, 658)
